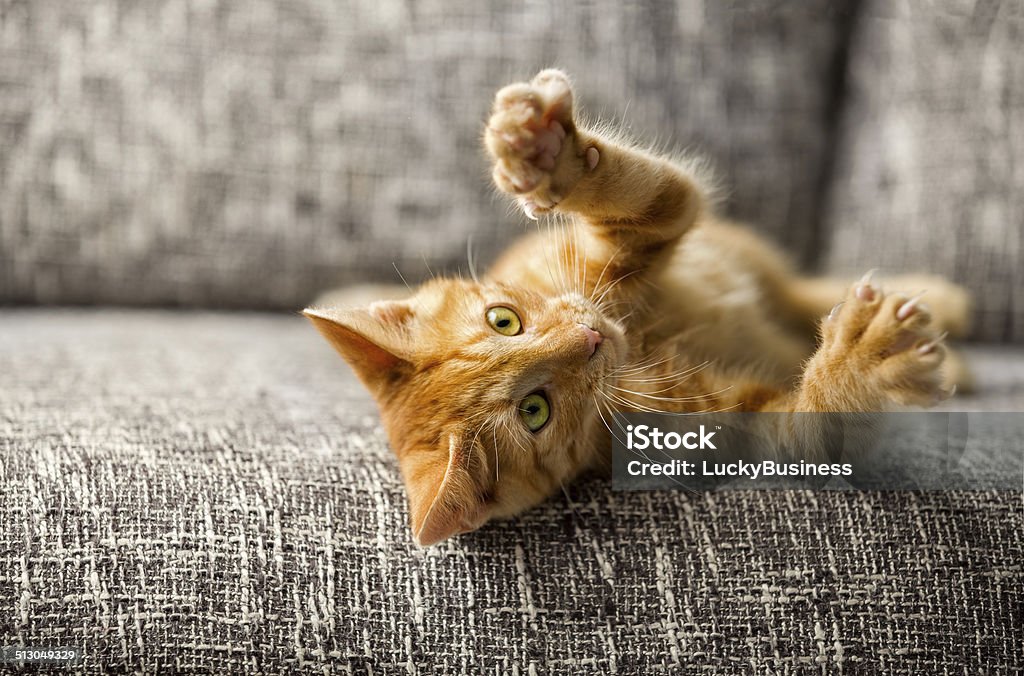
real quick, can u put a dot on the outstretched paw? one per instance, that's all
(887, 340)
(531, 137)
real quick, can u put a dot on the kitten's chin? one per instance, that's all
(612, 350)
(605, 360)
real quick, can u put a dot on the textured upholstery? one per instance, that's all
(213, 492)
(252, 154)
(930, 162)
(195, 491)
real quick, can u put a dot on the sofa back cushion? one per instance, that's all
(250, 155)
(930, 165)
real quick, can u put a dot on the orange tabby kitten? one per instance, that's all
(496, 393)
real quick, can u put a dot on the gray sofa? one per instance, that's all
(191, 481)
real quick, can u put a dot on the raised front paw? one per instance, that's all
(531, 136)
(884, 343)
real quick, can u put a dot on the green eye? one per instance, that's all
(504, 320)
(535, 411)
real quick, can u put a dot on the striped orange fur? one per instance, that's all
(637, 298)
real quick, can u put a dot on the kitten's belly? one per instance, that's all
(712, 308)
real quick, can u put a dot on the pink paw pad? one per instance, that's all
(547, 145)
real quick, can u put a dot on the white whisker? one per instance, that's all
(424, 257)
(470, 259)
(678, 376)
(642, 365)
(597, 404)
(600, 278)
(401, 276)
(615, 282)
(697, 397)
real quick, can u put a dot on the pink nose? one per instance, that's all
(593, 339)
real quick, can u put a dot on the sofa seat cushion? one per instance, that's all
(213, 491)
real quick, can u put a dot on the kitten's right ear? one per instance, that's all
(444, 500)
(376, 340)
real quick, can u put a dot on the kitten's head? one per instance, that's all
(487, 392)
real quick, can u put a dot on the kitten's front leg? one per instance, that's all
(532, 138)
(638, 203)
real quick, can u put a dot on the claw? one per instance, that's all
(834, 312)
(544, 202)
(909, 307)
(530, 209)
(864, 290)
(929, 347)
(944, 395)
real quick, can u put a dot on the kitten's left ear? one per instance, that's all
(376, 340)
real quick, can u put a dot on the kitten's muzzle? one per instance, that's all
(593, 338)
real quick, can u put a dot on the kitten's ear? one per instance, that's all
(444, 500)
(375, 340)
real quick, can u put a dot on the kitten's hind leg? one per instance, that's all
(810, 298)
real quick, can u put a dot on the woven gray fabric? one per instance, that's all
(254, 154)
(931, 163)
(204, 492)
